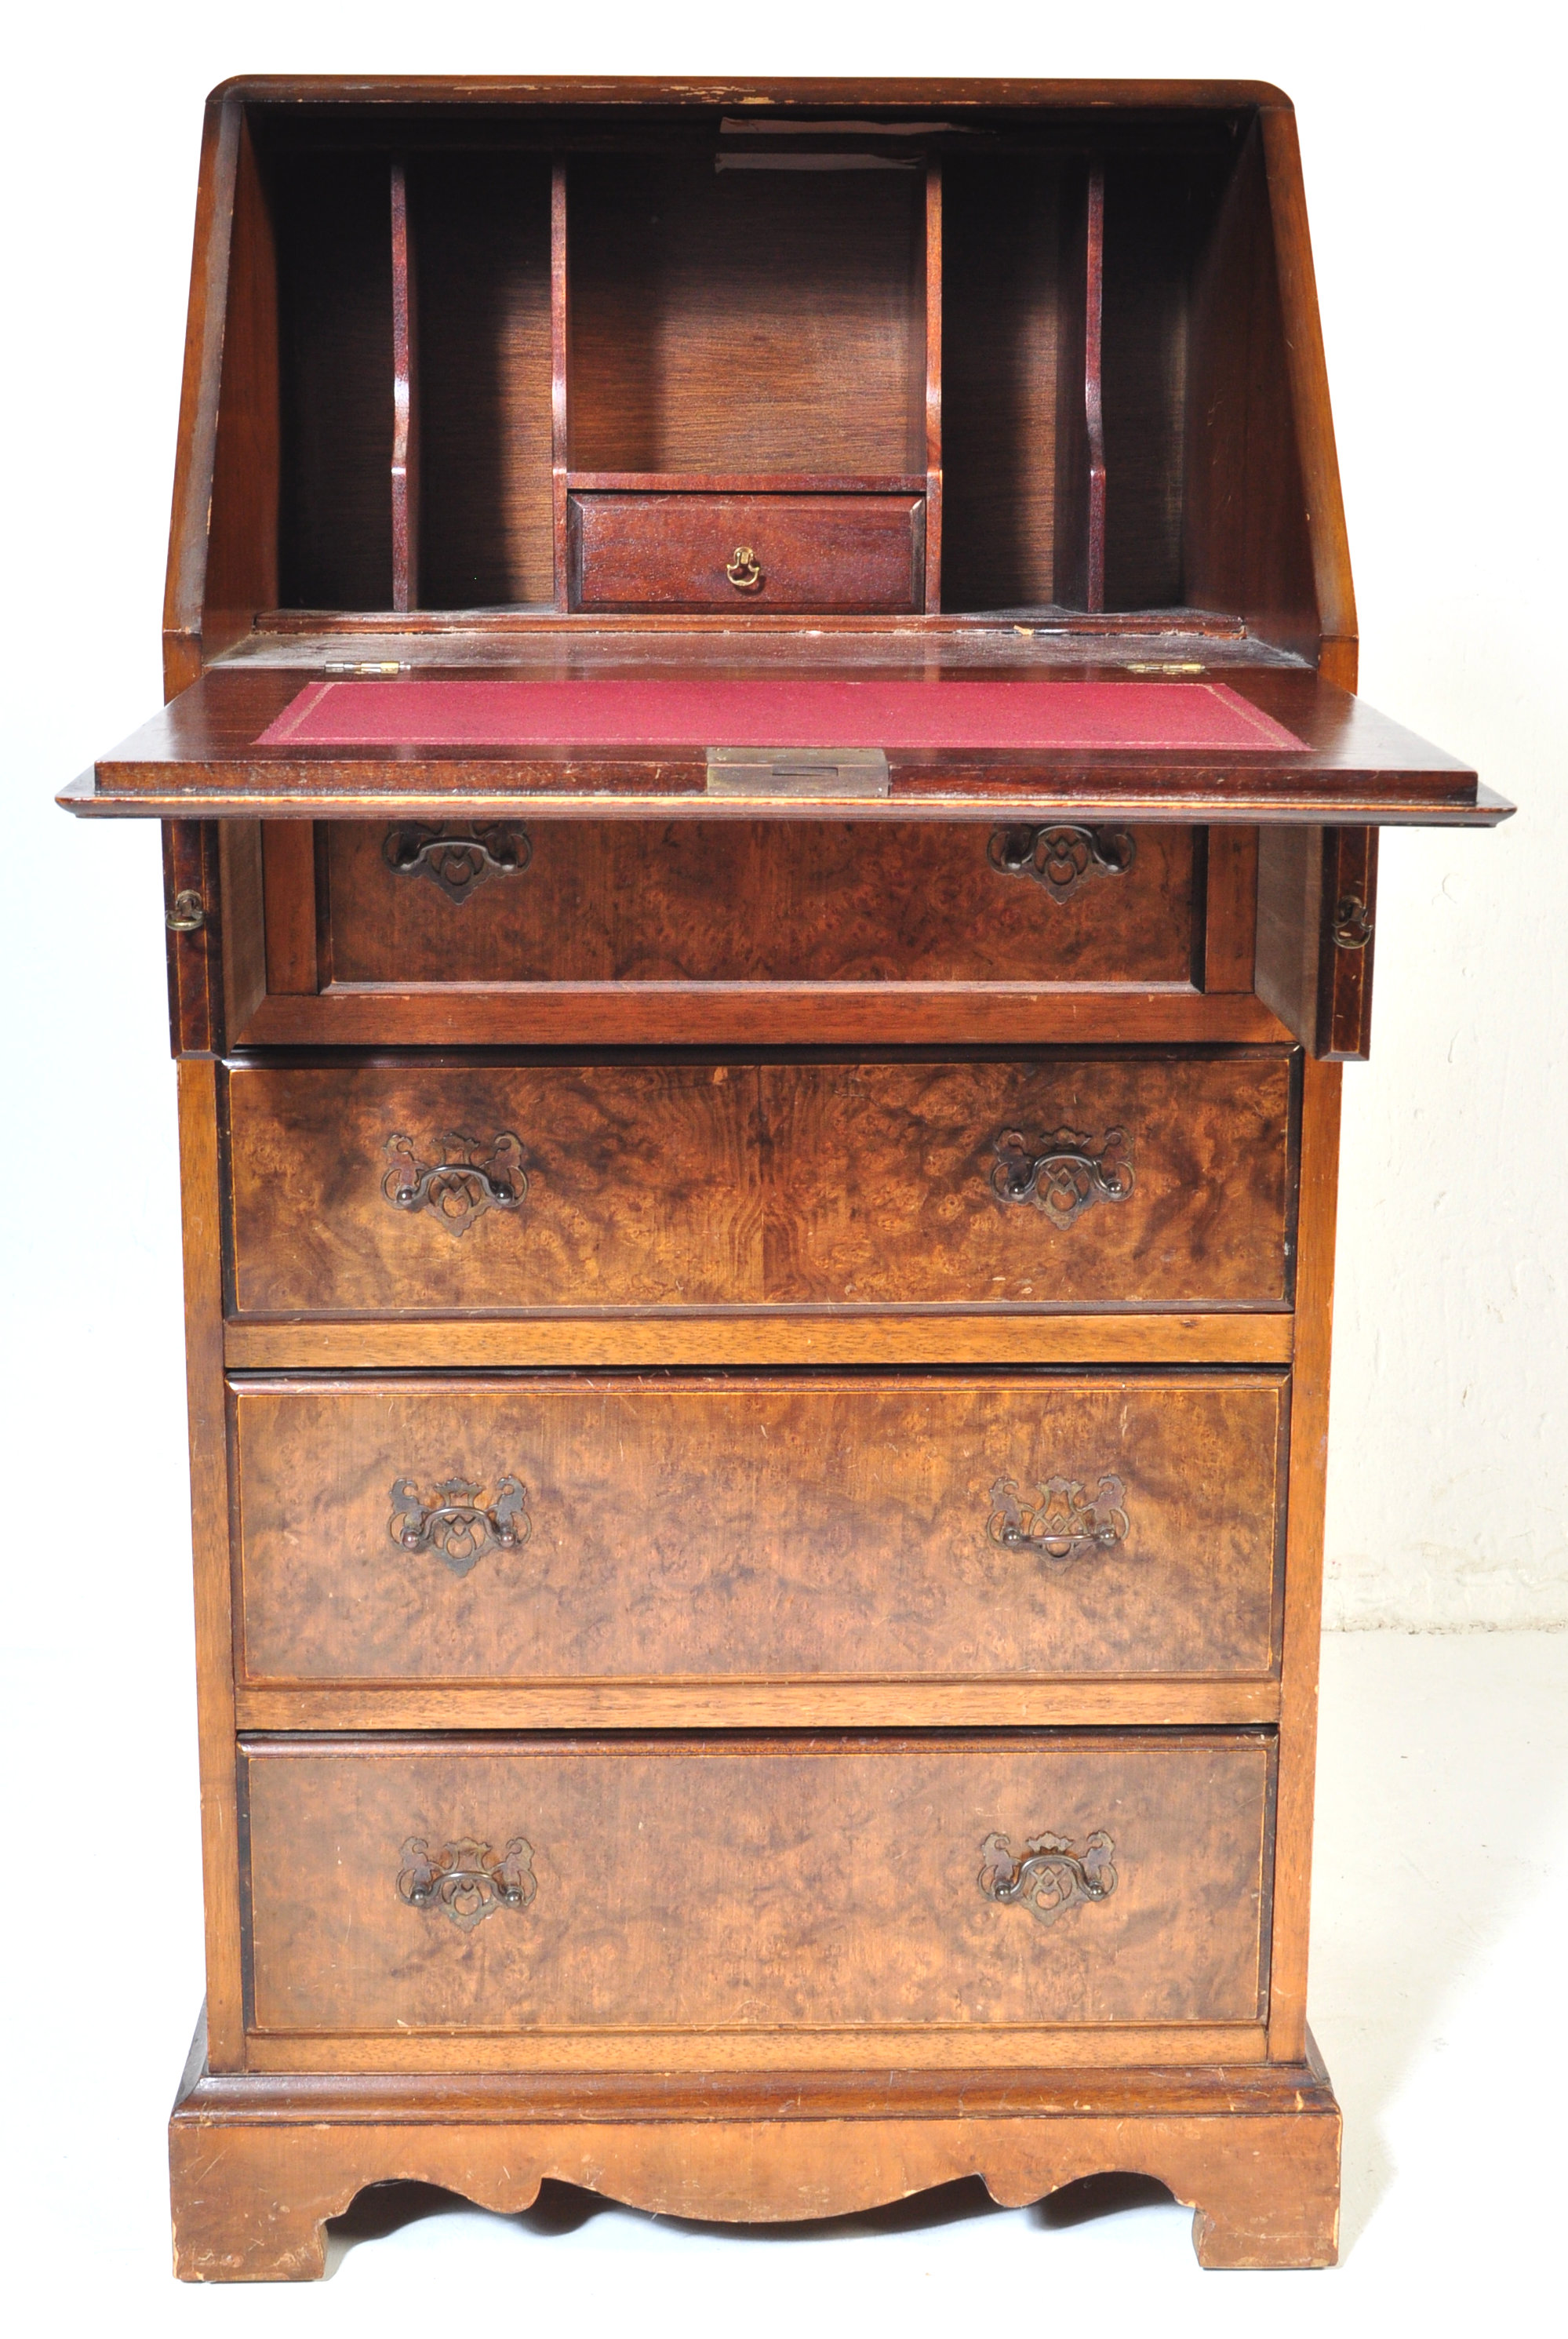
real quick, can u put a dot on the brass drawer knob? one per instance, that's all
(456, 1524)
(188, 914)
(466, 1880)
(1352, 923)
(1063, 1172)
(742, 571)
(1060, 1525)
(1050, 1878)
(461, 1184)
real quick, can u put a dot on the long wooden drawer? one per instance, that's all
(620, 1527)
(657, 1901)
(746, 552)
(412, 904)
(1049, 1183)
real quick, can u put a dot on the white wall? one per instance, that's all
(1430, 140)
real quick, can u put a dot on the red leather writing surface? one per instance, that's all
(1071, 716)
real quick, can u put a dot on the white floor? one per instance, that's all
(1438, 1982)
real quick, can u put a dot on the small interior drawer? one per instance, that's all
(743, 1527)
(801, 553)
(653, 1894)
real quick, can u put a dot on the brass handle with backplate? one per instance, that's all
(461, 1184)
(467, 1881)
(1048, 1876)
(456, 1524)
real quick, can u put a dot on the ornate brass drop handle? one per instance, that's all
(742, 571)
(467, 1881)
(455, 1524)
(1060, 1525)
(1059, 859)
(1063, 1172)
(464, 1182)
(458, 862)
(1050, 1878)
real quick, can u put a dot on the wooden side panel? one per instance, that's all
(693, 1185)
(1312, 414)
(242, 547)
(1304, 1558)
(746, 902)
(185, 584)
(1345, 960)
(1248, 546)
(1316, 913)
(811, 1527)
(814, 1885)
(201, 1209)
(195, 959)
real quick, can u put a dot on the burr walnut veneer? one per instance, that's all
(771, 858)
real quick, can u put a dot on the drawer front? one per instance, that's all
(1041, 1185)
(551, 1888)
(782, 1527)
(741, 552)
(745, 901)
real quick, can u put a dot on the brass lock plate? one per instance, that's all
(797, 772)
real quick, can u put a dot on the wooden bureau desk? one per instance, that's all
(770, 861)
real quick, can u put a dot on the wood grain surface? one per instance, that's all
(759, 1526)
(745, 321)
(878, 1190)
(864, 1337)
(481, 224)
(682, 1184)
(807, 1884)
(606, 902)
(260, 2164)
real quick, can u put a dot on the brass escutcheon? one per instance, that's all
(742, 570)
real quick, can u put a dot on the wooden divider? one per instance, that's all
(405, 407)
(1093, 337)
(560, 451)
(932, 386)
